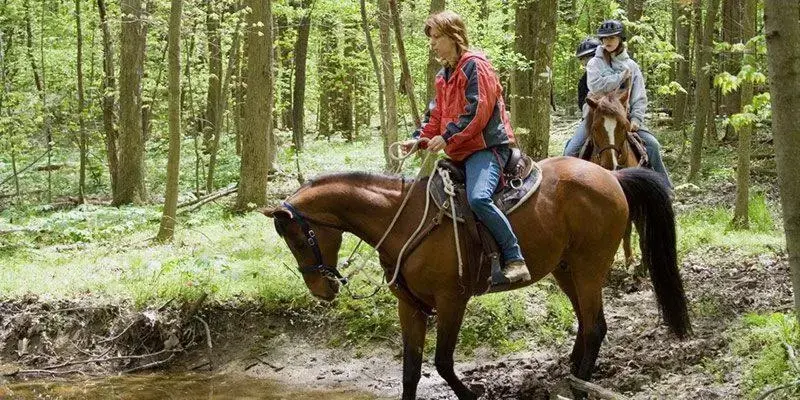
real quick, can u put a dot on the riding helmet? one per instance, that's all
(611, 27)
(587, 47)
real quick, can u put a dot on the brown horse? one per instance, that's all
(608, 126)
(570, 228)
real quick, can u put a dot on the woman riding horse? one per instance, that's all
(468, 120)
(606, 72)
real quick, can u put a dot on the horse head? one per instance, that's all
(315, 245)
(608, 125)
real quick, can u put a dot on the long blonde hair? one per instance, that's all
(451, 25)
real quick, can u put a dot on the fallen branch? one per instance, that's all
(775, 389)
(198, 202)
(106, 359)
(26, 168)
(596, 390)
(150, 365)
(208, 340)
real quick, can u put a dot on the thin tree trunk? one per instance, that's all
(167, 229)
(81, 127)
(48, 133)
(212, 122)
(433, 64)
(390, 91)
(407, 83)
(731, 62)
(535, 38)
(682, 34)
(782, 31)
(299, 92)
(740, 210)
(378, 80)
(131, 157)
(4, 82)
(258, 108)
(702, 94)
(109, 100)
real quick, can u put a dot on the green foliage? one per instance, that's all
(496, 321)
(707, 227)
(766, 344)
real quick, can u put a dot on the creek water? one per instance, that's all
(170, 386)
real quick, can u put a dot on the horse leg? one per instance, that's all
(448, 324)
(564, 279)
(413, 324)
(593, 325)
(626, 247)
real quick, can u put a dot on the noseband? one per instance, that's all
(329, 271)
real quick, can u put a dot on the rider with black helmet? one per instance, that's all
(605, 72)
(584, 53)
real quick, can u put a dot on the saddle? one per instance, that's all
(637, 145)
(522, 177)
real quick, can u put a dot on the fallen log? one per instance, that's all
(594, 389)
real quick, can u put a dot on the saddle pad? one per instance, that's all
(507, 199)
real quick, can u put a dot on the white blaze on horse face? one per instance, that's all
(611, 126)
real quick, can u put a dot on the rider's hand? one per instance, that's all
(408, 145)
(436, 144)
(634, 126)
(626, 74)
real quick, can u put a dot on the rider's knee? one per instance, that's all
(479, 203)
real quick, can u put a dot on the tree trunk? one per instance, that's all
(212, 123)
(731, 62)
(682, 34)
(634, 9)
(167, 228)
(740, 210)
(390, 164)
(530, 103)
(782, 31)
(702, 94)
(299, 93)
(390, 91)
(131, 156)
(109, 100)
(256, 135)
(408, 83)
(81, 127)
(433, 64)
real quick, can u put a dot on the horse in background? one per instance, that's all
(611, 143)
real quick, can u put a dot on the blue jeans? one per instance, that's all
(574, 145)
(483, 175)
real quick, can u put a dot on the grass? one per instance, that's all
(766, 346)
(707, 227)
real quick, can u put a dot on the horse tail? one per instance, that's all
(650, 208)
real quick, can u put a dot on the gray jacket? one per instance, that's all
(603, 78)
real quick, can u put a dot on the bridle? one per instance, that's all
(330, 271)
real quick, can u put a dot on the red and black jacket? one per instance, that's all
(469, 111)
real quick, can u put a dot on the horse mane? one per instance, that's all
(360, 178)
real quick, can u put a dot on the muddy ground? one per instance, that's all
(639, 357)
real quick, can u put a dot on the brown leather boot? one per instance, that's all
(516, 271)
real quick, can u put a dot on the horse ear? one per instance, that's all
(591, 102)
(276, 212)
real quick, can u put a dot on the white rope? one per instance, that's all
(450, 190)
(416, 231)
(399, 157)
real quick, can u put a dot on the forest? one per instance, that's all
(141, 142)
